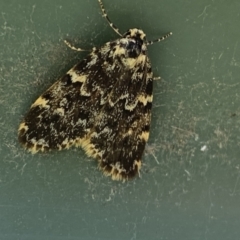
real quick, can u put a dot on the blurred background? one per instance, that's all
(189, 186)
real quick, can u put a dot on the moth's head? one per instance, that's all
(136, 39)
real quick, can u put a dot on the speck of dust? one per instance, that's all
(204, 148)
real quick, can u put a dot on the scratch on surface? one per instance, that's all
(112, 193)
(152, 149)
(204, 14)
(220, 56)
(187, 172)
(234, 62)
(23, 167)
(235, 186)
(5, 24)
(186, 131)
(222, 137)
(33, 9)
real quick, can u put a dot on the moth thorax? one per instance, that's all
(135, 42)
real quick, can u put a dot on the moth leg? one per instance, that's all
(74, 48)
(156, 78)
(115, 29)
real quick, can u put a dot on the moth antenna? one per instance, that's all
(159, 39)
(74, 48)
(104, 14)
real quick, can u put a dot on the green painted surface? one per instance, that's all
(189, 186)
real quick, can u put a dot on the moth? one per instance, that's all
(103, 104)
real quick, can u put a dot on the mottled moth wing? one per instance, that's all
(122, 128)
(102, 104)
(66, 112)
